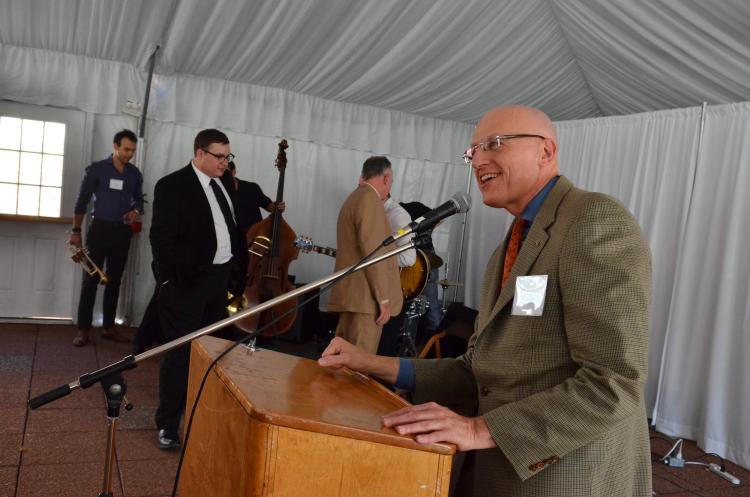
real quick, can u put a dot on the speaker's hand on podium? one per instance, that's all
(340, 353)
(433, 423)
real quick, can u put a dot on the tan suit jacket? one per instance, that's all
(562, 393)
(361, 227)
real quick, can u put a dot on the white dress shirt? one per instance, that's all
(223, 240)
(397, 219)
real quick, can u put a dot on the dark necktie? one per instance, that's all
(223, 204)
(514, 246)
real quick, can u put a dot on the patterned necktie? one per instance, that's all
(514, 246)
(223, 204)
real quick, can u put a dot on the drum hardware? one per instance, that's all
(447, 283)
(81, 256)
(417, 307)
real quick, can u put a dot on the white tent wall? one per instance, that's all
(704, 388)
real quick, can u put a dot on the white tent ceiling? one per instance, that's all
(445, 59)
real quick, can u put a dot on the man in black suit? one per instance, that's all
(199, 254)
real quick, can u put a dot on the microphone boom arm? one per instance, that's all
(131, 361)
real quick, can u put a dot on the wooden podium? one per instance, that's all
(270, 424)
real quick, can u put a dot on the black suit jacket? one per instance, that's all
(183, 239)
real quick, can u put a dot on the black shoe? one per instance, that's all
(168, 440)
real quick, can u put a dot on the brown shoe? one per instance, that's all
(114, 335)
(81, 339)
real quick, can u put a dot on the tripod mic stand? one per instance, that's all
(111, 376)
(114, 390)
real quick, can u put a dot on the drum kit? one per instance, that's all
(416, 305)
(414, 280)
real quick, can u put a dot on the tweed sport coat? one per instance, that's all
(360, 228)
(561, 393)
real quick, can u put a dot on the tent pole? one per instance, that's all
(463, 235)
(140, 162)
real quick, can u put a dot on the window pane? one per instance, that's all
(31, 168)
(8, 198)
(10, 132)
(8, 166)
(49, 204)
(28, 200)
(52, 170)
(32, 133)
(54, 138)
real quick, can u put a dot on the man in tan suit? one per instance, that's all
(554, 394)
(367, 299)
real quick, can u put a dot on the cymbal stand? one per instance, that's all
(407, 346)
(444, 309)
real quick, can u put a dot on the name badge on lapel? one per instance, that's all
(115, 184)
(529, 297)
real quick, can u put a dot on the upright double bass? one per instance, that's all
(271, 250)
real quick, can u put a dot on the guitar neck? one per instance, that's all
(331, 252)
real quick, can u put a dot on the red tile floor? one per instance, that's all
(59, 449)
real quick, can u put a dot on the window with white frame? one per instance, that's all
(31, 166)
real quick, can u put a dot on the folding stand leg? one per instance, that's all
(114, 390)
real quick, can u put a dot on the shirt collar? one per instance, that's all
(202, 177)
(531, 210)
(111, 161)
(373, 188)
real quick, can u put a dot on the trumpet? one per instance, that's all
(236, 304)
(81, 256)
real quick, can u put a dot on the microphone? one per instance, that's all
(458, 203)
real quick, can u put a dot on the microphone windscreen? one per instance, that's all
(462, 201)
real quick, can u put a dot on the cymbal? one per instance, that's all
(446, 283)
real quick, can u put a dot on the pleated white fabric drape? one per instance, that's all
(704, 392)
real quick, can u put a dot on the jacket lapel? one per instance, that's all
(197, 192)
(536, 239)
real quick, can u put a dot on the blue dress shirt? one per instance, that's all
(115, 193)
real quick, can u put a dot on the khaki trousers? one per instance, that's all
(359, 329)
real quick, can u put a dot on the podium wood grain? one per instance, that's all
(273, 425)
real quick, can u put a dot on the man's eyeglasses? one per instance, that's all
(228, 158)
(493, 144)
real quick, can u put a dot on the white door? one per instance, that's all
(37, 277)
(36, 272)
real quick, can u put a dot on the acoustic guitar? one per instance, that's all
(413, 278)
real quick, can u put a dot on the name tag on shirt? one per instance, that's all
(116, 184)
(529, 297)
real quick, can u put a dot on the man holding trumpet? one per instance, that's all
(117, 188)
